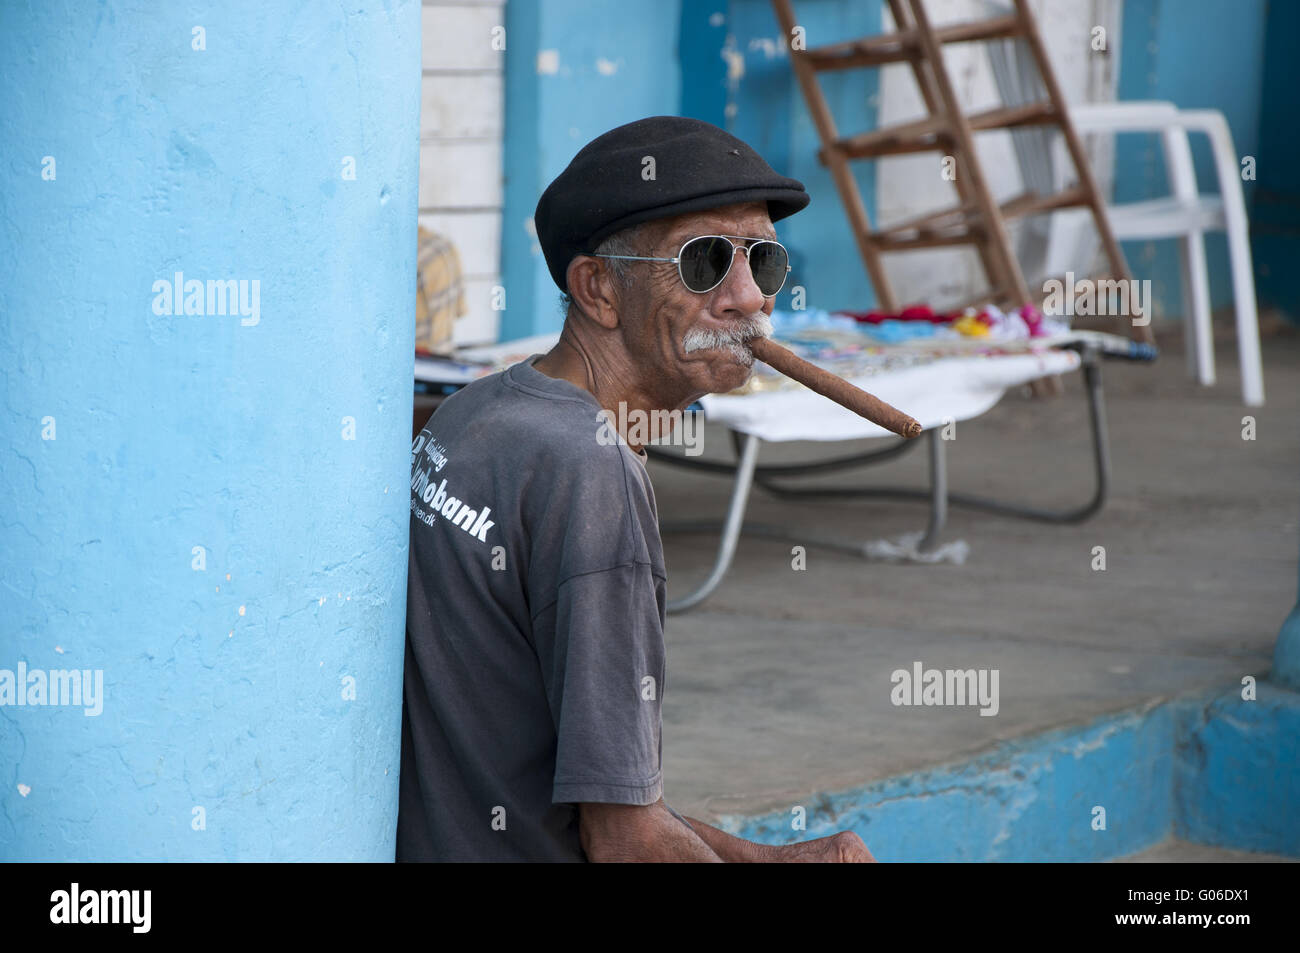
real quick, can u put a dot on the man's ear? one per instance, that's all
(592, 289)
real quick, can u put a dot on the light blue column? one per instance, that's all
(205, 497)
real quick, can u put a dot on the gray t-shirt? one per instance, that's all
(535, 618)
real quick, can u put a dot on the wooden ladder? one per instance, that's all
(977, 219)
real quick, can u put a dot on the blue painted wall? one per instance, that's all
(616, 62)
(1238, 772)
(1286, 654)
(1198, 54)
(702, 39)
(1212, 769)
(1275, 212)
(669, 59)
(1028, 800)
(769, 113)
(129, 437)
(672, 57)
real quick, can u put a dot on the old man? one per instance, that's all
(535, 664)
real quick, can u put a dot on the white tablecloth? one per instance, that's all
(951, 388)
(956, 388)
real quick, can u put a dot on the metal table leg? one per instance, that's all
(938, 492)
(748, 457)
(747, 472)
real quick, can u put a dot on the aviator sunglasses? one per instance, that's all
(704, 262)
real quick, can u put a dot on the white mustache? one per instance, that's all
(732, 339)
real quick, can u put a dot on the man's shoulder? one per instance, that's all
(566, 439)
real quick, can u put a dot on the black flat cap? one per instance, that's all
(697, 166)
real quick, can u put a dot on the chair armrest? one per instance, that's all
(1127, 116)
(1175, 124)
(1146, 116)
(1156, 116)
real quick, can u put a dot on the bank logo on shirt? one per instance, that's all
(457, 511)
(432, 449)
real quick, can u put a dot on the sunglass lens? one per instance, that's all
(768, 261)
(705, 262)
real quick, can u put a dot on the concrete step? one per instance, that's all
(1175, 851)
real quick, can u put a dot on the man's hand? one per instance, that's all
(845, 847)
(628, 832)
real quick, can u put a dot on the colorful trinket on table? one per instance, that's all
(973, 324)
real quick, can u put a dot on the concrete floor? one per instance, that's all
(779, 685)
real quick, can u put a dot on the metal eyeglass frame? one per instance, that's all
(731, 261)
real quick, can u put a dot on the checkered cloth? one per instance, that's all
(440, 293)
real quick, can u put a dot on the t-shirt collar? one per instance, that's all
(525, 373)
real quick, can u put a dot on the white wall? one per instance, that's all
(461, 115)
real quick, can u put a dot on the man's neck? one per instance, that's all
(610, 378)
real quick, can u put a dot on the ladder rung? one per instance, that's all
(901, 46)
(1032, 203)
(866, 52)
(920, 135)
(930, 238)
(1007, 117)
(992, 29)
(925, 135)
(942, 219)
(936, 224)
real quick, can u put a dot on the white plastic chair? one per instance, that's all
(1187, 215)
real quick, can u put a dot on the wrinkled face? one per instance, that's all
(695, 340)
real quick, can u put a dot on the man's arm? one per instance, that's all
(630, 832)
(845, 847)
(657, 833)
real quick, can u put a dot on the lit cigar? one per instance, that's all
(834, 388)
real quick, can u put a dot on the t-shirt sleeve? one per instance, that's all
(604, 675)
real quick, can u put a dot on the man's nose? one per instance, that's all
(739, 291)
